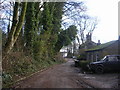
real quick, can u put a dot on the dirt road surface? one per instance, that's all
(67, 76)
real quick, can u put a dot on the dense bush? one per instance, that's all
(83, 64)
(6, 77)
(17, 65)
(82, 56)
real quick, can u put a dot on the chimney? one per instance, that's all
(98, 42)
(88, 37)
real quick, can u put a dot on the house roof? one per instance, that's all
(83, 45)
(102, 46)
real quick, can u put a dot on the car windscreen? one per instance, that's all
(113, 58)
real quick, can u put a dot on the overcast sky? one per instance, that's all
(107, 13)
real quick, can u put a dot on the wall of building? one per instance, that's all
(99, 54)
(94, 56)
(112, 49)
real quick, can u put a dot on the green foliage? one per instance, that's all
(30, 26)
(83, 64)
(41, 29)
(47, 17)
(21, 68)
(82, 56)
(58, 12)
(40, 41)
(19, 65)
(6, 77)
(43, 39)
(3, 36)
(51, 21)
(66, 37)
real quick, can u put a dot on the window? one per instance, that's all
(113, 58)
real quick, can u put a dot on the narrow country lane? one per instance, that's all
(67, 76)
(60, 76)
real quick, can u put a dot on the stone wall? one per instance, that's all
(99, 54)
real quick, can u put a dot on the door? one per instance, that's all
(111, 63)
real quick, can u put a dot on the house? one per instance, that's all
(64, 54)
(98, 52)
(87, 45)
(70, 50)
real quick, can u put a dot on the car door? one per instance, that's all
(111, 63)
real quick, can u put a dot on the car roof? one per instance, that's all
(113, 55)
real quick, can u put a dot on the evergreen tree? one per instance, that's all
(66, 37)
(30, 26)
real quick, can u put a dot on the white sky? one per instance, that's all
(107, 13)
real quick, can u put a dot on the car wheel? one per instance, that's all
(99, 70)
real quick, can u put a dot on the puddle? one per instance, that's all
(89, 77)
(81, 74)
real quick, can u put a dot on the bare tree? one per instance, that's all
(71, 11)
(86, 25)
(6, 13)
(75, 14)
(17, 23)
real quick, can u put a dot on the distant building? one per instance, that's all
(64, 54)
(87, 45)
(98, 52)
(70, 50)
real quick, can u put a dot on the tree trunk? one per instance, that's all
(16, 27)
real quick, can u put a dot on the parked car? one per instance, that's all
(108, 63)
